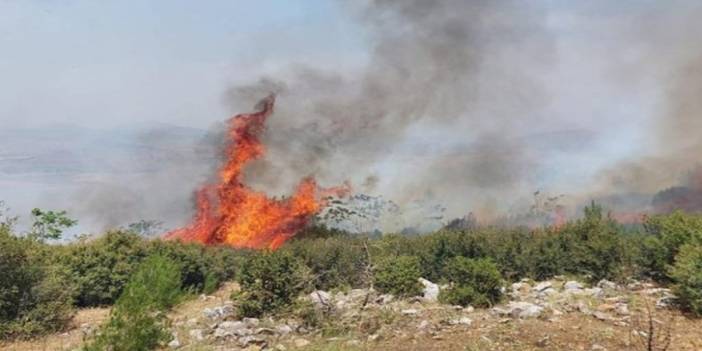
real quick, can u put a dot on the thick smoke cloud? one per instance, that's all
(474, 105)
(473, 65)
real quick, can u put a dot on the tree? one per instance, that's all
(49, 224)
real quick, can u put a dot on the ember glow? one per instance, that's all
(230, 213)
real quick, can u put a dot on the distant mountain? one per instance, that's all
(65, 149)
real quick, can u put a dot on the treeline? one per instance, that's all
(42, 284)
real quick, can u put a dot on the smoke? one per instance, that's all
(474, 105)
(433, 67)
(671, 58)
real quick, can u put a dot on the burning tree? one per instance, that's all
(231, 213)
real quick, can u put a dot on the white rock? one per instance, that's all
(252, 322)
(430, 291)
(622, 309)
(320, 298)
(280, 347)
(384, 299)
(572, 285)
(409, 312)
(524, 310)
(196, 334)
(606, 284)
(300, 342)
(543, 286)
(283, 329)
(174, 344)
(423, 325)
(468, 309)
(548, 292)
(251, 340)
(462, 321)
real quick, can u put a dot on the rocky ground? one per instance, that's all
(558, 314)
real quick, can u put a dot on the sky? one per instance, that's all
(553, 95)
(102, 64)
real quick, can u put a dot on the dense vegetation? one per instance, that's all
(41, 283)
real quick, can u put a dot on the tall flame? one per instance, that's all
(231, 213)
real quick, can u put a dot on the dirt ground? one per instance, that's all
(570, 331)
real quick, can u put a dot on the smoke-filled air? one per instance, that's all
(501, 112)
(388, 175)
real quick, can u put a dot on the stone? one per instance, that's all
(543, 286)
(218, 312)
(196, 334)
(543, 342)
(548, 292)
(423, 325)
(191, 322)
(520, 309)
(384, 299)
(607, 285)
(252, 340)
(602, 316)
(252, 322)
(300, 342)
(622, 309)
(280, 347)
(320, 298)
(594, 292)
(430, 292)
(374, 337)
(597, 347)
(572, 285)
(231, 328)
(265, 331)
(174, 344)
(461, 321)
(284, 329)
(409, 312)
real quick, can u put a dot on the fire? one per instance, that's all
(230, 213)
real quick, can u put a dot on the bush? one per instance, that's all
(203, 268)
(667, 234)
(334, 262)
(475, 282)
(103, 266)
(687, 274)
(137, 321)
(269, 281)
(398, 275)
(35, 297)
(593, 246)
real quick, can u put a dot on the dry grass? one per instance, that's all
(68, 340)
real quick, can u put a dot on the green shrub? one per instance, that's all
(687, 275)
(666, 235)
(398, 275)
(334, 262)
(137, 321)
(203, 268)
(269, 281)
(103, 266)
(593, 246)
(35, 297)
(474, 281)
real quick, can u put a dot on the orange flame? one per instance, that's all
(231, 213)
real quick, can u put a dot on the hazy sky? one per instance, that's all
(547, 94)
(107, 63)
